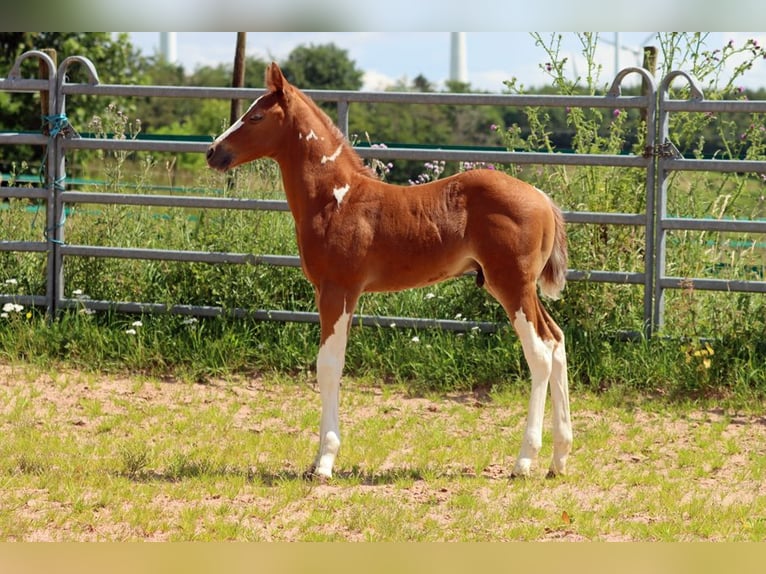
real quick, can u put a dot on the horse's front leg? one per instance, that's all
(336, 307)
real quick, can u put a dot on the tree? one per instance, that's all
(115, 59)
(324, 67)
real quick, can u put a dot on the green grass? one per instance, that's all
(88, 457)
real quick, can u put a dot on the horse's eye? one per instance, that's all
(256, 117)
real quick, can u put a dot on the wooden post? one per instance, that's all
(238, 77)
(237, 81)
(45, 97)
(649, 64)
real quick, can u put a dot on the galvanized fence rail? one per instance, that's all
(57, 196)
(668, 161)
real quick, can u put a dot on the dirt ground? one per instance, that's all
(727, 480)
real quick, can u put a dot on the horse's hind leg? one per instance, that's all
(562, 422)
(543, 345)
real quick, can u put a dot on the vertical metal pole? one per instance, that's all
(651, 186)
(343, 117)
(649, 115)
(50, 102)
(661, 208)
(56, 228)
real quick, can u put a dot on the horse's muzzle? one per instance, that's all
(218, 158)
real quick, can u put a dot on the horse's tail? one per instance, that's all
(554, 276)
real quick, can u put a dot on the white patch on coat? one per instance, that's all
(340, 193)
(311, 136)
(539, 356)
(334, 156)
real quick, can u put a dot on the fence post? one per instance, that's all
(45, 97)
(661, 147)
(58, 186)
(237, 81)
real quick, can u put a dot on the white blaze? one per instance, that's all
(236, 125)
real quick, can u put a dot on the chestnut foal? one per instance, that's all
(357, 234)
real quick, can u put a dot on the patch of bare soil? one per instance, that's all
(662, 447)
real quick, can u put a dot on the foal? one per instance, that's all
(357, 234)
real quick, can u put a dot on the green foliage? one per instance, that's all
(322, 67)
(116, 61)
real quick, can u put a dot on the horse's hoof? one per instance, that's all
(311, 475)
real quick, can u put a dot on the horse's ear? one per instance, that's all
(275, 80)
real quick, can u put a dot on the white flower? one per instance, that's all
(87, 311)
(130, 331)
(430, 295)
(3, 315)
(12, 308)
(190, 321)
(415, 339)
(459, 316)
(77, 292)
(11, 282)
(137, 324)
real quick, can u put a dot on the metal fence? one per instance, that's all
(658, 162)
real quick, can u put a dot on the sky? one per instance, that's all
(387, 57)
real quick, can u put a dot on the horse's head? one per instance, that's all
(258, 132)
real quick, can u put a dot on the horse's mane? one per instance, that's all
(340, 138)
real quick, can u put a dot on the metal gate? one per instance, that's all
(659, 162)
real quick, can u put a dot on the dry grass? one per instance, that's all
(99, 457)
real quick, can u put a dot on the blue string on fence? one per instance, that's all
(58, 124)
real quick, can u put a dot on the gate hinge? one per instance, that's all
(667, 150)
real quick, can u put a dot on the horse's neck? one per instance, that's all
(317, 160)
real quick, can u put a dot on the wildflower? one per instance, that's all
(11, 282)
(430, 295)
(3, 315)
(130, 331)
(12, 308)
(189, 321)
(616, 113)
(415, 339)
(87, 311)
(77, 292)
(137, 324)
(493, 128)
